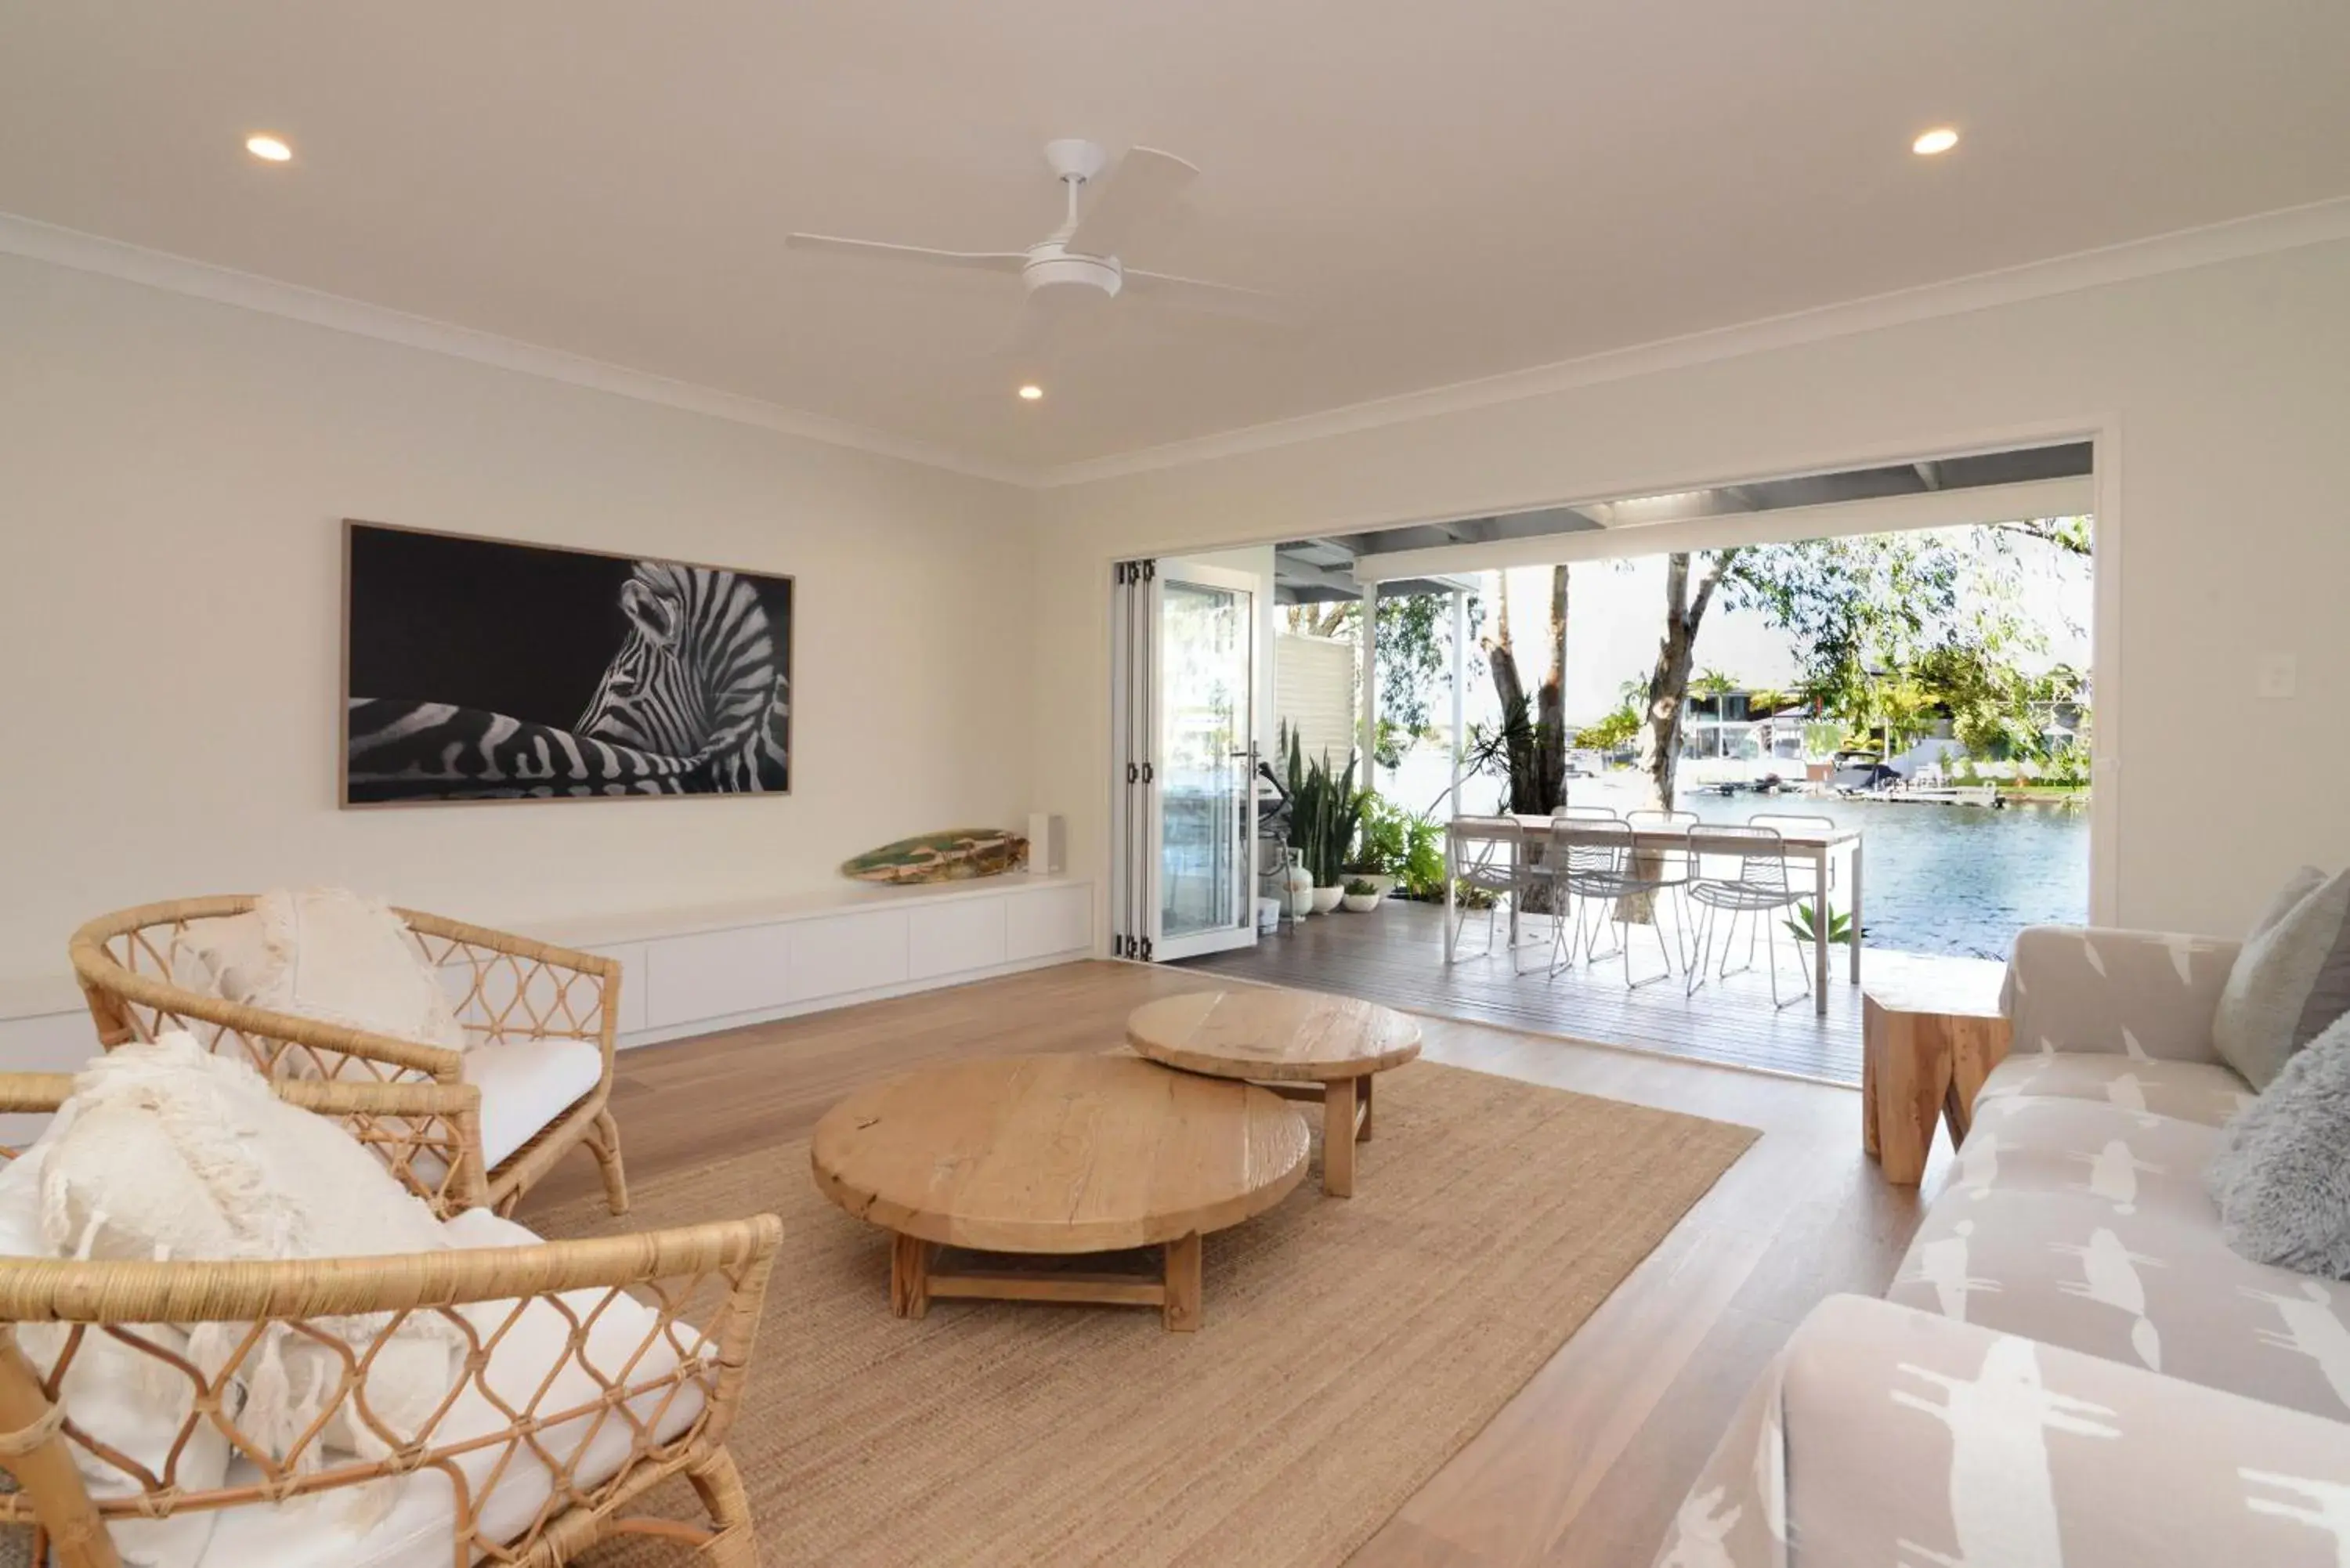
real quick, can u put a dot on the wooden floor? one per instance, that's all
(1395, 955)
(1586, 1464)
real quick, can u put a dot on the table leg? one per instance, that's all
(1867, 1088)
(1856, 911)
(1908, 1066)
(1820, 931)
(1182, 1312)
(1364, 1094)
(909, 1275)
(1339, 1136)
(1452, 884)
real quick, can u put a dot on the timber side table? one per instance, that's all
(1301, 1045)
(1926, 1044)
(1055, 1155)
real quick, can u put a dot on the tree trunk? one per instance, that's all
(1550, 706)
(1668, 683)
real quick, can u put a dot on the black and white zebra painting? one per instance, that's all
(479, 669)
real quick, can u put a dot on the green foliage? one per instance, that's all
(1613, 732)
(1839, 925)
(1359, 887)
(1325, 813)
(1399, 843)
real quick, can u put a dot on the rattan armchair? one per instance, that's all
(514, 989)
(633, 1398)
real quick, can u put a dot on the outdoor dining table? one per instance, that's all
(1819, 845)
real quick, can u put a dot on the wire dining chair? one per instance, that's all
(1741, 871)
(1799, 873)
(1599, 862)
(1669, 868)
(1501, 868)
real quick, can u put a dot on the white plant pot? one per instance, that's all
(1362, 903)
(1326, 898)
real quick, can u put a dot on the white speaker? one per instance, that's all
(1048, 844)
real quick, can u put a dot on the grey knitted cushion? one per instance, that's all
(2281, 1178)
(2291, 980)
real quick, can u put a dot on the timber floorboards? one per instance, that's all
(1587, 1462)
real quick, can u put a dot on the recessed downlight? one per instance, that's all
(1941, 139)
(1031, 392)
(269, 149)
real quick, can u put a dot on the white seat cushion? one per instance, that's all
(417, 1528)
(526, 1085)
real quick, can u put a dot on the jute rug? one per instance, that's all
(1349, 1347)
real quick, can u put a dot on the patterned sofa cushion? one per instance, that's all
(2085, 1224)
(1879, 1437)
(2201, 1092)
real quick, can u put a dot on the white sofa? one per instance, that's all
(2070, 1366)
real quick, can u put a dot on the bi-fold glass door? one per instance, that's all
(1184, 663)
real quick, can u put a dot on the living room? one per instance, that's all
(800, 1178)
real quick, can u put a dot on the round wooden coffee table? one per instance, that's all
(1301, 1045)
(1055, 1155)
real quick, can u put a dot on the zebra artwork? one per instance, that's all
(485, 670)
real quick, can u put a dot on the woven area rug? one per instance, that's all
(1349, 1348)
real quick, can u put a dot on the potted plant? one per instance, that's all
(1361, 898)
(1325, 813)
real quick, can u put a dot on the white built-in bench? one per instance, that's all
(688, 971)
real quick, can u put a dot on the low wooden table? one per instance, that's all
(1927, 1045)
(1057, 1155)
(1301, 1045)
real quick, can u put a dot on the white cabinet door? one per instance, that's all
(1052, 920)
(954, 938)
(632, 984)
(716, 974)
(835, 954)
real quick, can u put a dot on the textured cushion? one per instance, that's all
(117, 1396)
(167, 1151)
(526, 1085)
(2086, 1225)
(2190, 1091)
(416, 1529)
(225, 957)
(2282, 1179)
(341, 959)
(2291, 979)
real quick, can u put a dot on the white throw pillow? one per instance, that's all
(341, 959)
(170, 1152)
(118, 1395)
(223, 956)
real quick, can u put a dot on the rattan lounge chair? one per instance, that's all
(633, 1352)
(538, 1004)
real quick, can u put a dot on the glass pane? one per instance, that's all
(1203, 660)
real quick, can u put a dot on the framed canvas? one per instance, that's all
(478, 669)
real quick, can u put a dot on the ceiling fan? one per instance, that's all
(1077, 265)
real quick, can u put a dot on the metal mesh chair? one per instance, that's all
(1741, 871)
(1592, 861)
(1799, 874)
(1502, 869)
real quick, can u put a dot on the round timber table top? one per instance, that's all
(1058, 1154)
(1273, 1035)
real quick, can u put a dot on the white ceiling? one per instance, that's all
(1450, 191)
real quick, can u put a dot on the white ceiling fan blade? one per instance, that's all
(1145, 183)
(1206, 299)
(977, 261)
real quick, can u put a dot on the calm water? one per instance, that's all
(1957, 880)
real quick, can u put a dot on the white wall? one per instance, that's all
(2226, 388)
(173, 477)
